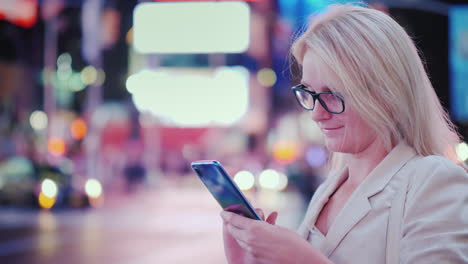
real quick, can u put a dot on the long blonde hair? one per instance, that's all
(380, 72)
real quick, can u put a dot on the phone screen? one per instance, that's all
(223, 189)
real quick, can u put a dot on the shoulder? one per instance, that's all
(434, 162)
(435, 180)
(435, 219)
(433, 169)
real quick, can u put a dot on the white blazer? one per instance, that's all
(422, 202)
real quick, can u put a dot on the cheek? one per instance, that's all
(354, 122)
(360, 130)
(358, 133)
(358, 127)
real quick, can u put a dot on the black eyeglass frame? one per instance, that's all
(316, 96)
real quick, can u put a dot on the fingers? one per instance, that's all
(241, 235)
(242, 222)
(260, 213)
(271, 219)
(236, 220)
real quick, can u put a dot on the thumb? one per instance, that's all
(271, 219)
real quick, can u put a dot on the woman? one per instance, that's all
(395, 193)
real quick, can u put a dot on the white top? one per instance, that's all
(315, 237)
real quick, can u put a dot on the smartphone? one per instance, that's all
(224, 190)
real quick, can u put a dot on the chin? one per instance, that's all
(336, 146)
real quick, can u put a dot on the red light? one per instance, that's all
(20, 12)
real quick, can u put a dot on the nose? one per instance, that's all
(319, 113)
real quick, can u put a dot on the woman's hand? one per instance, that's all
(253, 241)
(235, 254)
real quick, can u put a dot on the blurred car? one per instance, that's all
(25, 184)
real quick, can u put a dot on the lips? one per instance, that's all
(330, 128)
(331, 131)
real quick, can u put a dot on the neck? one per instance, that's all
(362, 163)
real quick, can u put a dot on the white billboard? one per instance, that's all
(192, 97)
(191, 27)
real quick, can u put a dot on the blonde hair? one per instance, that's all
(382, 76)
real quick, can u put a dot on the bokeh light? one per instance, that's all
(46, 202)
(462, 151)
(285, 152)
(38, 120)
(266, 77)
(273, 180)
(101, 77)
(93, 188)
(56, 146)
(64, 60)
(64, 73)
(244, 179)
(49, 188)
(316, 156)
(78, 129)
(269, 179)
(89, 75)
(75, 84)
(282, 182)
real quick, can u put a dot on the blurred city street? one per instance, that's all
(179, 223)
(105, 104)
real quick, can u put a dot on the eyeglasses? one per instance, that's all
(330, 101)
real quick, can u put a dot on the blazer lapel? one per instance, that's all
(358, 205)
(316, 207)
(353, 211)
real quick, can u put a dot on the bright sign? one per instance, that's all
(192, 97)
(191, 27)
(20, 12)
